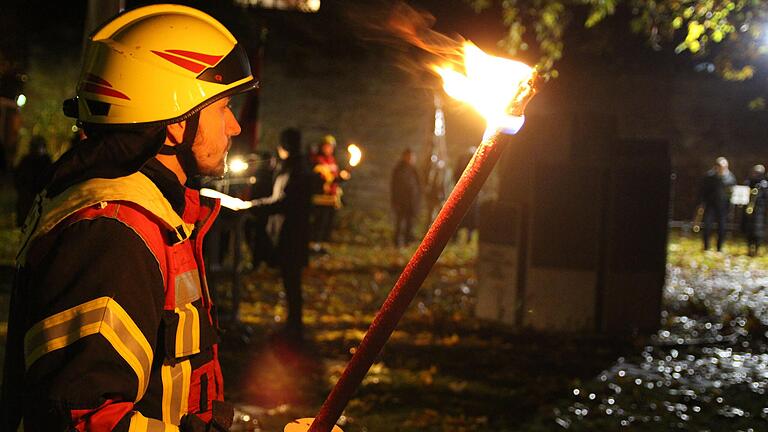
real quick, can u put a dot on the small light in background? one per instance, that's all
(238, 165)
(439, 122)
(312, 5)
(21, 100)
(300, 5)
(707, 67)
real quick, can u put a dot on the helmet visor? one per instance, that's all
(233, 67)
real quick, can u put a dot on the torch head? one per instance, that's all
(525, 93)
(497, 88)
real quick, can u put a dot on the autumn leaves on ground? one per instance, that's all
(441, 370)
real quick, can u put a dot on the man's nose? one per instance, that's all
(233, 127)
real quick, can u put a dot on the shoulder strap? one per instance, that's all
(135, 188)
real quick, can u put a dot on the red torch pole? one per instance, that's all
(411, 278)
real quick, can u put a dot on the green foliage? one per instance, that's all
(757, 104)
(695, 26)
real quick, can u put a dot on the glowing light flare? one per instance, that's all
(439, 122)
(238, 165)
(21, 100)
(355, 155)
(495, 87)
(227, 201)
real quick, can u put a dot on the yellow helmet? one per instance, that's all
(329, 139)
(158, 64)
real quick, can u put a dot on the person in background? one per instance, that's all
(405, 193)
(753, 219)
(715, 195)
(327, 196)
(30, 176)
(256, 227)
(111, 324)
(288, 224)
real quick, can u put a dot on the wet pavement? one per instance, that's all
(705, 370)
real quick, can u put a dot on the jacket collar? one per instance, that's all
(169, 185)
(186, 202)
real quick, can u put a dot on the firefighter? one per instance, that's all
(111, 325)
(327, 198)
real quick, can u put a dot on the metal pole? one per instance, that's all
(410, 280)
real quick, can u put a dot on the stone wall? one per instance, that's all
(360, 93)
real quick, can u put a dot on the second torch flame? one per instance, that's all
(355, 155)
(495, 87)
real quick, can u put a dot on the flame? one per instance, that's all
(355, 155)
(495, 87)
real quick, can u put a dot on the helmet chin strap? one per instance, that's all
(183, 150)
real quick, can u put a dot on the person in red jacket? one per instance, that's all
(111, 325)
(327, 198)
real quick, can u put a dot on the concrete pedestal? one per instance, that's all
(577, 238)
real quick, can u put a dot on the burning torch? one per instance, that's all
(355, 155)
(499, 89)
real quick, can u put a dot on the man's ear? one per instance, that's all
(174, 132)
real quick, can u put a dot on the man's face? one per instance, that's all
(217, 126)
(722, 168)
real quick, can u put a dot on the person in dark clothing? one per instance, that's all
(256, 226)
(288, 224)
(753, 219)
(405, 192)
(30, 177)
(715, 195)
(111, 324)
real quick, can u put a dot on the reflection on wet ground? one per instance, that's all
(706, 369)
